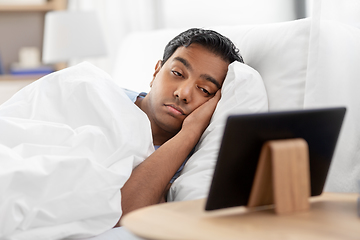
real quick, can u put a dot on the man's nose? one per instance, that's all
(184, 91)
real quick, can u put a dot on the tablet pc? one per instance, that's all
(244, 136)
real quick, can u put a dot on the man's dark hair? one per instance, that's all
(211, 40)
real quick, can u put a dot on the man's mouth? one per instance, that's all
(175, 109)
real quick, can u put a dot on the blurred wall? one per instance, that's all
(202, 13)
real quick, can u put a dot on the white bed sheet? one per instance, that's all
(68, 143)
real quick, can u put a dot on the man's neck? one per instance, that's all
(159, 139)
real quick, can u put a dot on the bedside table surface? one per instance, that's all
(331, 216)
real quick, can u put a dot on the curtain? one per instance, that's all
(333, 79)
(118, 18)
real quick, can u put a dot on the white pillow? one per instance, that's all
(243, 92)
(137, 56)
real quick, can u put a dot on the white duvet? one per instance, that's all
(68, 143)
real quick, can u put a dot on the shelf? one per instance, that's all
(22, 25)
(8, 77)
(26, 8)
(51, 5)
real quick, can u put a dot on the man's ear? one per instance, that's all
(157, 70)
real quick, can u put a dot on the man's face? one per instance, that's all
(190, 77)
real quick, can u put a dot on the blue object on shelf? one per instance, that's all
(43, 69)
(1, 67)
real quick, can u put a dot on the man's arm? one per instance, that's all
(148, 181)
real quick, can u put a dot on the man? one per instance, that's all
(183, 96)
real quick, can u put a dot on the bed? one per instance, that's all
(289, 65)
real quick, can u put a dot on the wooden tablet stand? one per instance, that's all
(282, 176)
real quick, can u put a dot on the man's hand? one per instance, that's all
(199, 119)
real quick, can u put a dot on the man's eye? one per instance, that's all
(205, 91)
(176, 73)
